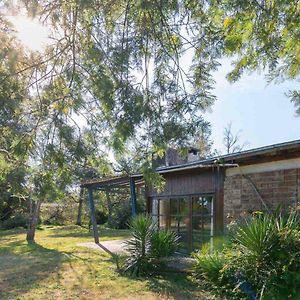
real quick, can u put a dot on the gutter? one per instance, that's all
(190, 167)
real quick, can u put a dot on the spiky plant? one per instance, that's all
(164, 243)
(139, 246)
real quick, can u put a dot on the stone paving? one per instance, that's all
(176, 263)
(113, 246)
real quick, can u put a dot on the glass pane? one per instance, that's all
(164, 206)
(184, 206)
(202, 205)
(174, 206)
(201, 225)
(164, 213)
(164, 222)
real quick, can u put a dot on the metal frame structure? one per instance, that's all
(116, 185)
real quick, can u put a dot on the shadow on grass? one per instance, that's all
(174, 285)
(77, 231)
(23, 266)
(8, 232)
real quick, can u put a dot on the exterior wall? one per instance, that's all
(194, 182)
(246, 188)
(187, 183)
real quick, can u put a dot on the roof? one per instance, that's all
(222, 161)
(227, 159)
(111, 182)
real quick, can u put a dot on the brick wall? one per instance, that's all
(274, 187)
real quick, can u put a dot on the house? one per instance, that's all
(201, 197)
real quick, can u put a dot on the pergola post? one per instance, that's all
(133, 196)
(93, 215)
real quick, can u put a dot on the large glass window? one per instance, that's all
(202, 220)
(191, 217)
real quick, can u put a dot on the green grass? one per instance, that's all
(56, 268)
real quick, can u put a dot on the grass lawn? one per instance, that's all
(56, 268)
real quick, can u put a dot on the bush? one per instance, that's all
(14, 222)
(58, 213)
(164, 243)
(122, 214)
(147, 246)
(101, 217)
(263, 260)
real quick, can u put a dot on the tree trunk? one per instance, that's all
(79, 214)
(33, 219)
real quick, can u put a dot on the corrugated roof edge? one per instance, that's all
(231, 156)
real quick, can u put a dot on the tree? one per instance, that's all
(231, 141)
(15, 138)
(104, 60)
(119, 67)
(259, 35)
(204, 143)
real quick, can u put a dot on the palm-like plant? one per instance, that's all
(147, 246)
(164, 243)
(258, 236)
(139, 246)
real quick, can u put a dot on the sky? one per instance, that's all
(259, 111)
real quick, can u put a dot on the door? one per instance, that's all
(191, 217)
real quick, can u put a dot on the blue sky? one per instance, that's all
(260, 110)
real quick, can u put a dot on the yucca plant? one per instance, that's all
(164, 243)
(269, 247)
(209, 266)
(147, 246)
(257, 236)
(262, 261)
(139, 246)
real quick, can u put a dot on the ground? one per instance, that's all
(57, 268)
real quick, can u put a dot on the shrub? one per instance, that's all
(19, 220)
(164, 243)
(122, 214)
(147, 246)
(101, 217)
(58, 213)
(263, 260)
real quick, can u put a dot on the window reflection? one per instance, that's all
(190, 217)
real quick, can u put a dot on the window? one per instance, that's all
(191, 217)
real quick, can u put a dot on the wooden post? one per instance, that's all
(109, 206)
(79, 213)
(93, 216)
(133, 196)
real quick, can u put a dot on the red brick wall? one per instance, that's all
(275, 187)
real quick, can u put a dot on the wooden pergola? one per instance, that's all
(116, 185)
